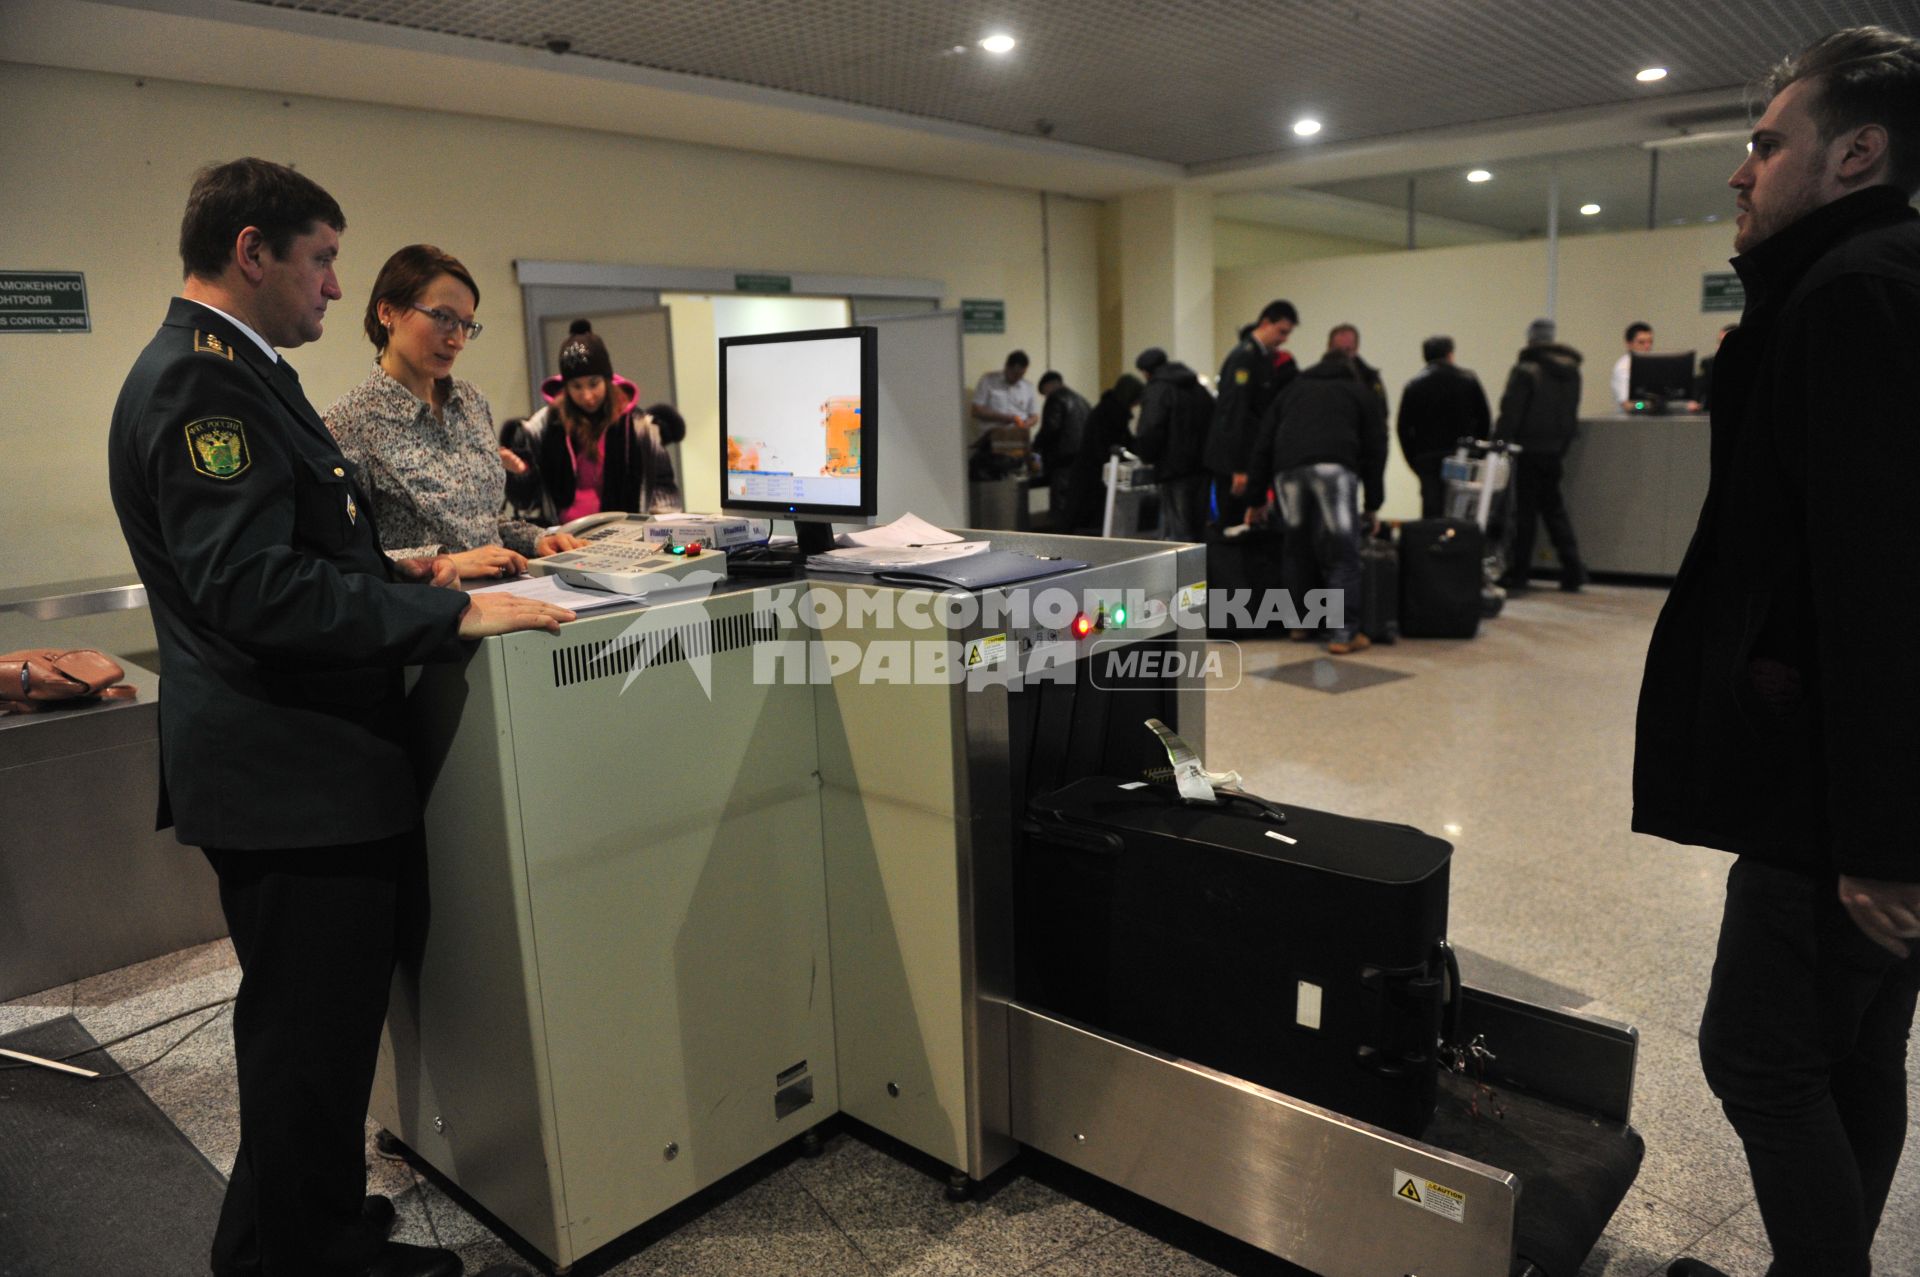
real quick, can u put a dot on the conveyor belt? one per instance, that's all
(1574, 1169)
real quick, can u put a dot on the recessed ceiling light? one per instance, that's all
(1588, 210)
(1306, 127)
(1713, 217)
(1479, 175)
(1651, 74)
(999, 42)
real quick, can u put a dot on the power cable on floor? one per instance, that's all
(216, 1007)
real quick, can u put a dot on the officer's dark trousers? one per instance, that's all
(1804, 1041)
(317, 932)
(1183, 508)
(1539, 501)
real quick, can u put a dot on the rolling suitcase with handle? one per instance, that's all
(1440, 578)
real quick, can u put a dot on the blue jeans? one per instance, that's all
(1804, 1041)
(1320, 504)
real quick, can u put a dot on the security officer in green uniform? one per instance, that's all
(1255, 371)
(284, 632)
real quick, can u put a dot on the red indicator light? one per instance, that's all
(1082, 626)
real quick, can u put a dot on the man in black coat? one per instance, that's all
(1443, 404)
(1063, 424)
(1765, 727)
(1540, 411)
(1109, 426)
(1255, 370)
(1175, 413)
(1324, 444)
(284, 635)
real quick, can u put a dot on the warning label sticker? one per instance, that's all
(1417, 1190)
(1191, 597)
(982, 652)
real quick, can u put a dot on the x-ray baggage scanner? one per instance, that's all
(641, 829)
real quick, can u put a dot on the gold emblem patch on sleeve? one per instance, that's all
(217, 447)
(208, 344)
(1240, 376)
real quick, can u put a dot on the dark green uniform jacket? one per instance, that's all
(1248, 383)
(283, 635)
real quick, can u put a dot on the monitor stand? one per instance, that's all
(812, 537)
(815, 537)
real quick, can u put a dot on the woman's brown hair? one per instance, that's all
(406, 276)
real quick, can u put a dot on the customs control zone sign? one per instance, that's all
(43, 301)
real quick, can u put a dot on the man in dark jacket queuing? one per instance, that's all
(1540, 411)
(1443, 404)
(1345, 339)
(1109, 425)
(1765, 728)
(1322, 444)
(1175, 412)
(1253, 373)
(1063, 421)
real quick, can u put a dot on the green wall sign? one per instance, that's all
(43, 301)
(763, 283)
(1722, 291)
(981, 315)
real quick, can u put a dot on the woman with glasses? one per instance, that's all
(593, 447)
(421, 439)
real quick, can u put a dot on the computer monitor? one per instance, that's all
(1656, 382)
(798, 417)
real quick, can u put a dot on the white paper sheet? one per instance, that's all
(551, 589)
(906, 532)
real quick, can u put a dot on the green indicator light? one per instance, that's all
(1119, 616)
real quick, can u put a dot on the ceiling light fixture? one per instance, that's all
(1651, 74)
(1588, 210)
(1306, 127)
(1479, 175)
(999, 42)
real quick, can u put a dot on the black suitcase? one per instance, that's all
(1302, 951)
(1380, 588)
(1440, 578)
(1246, 564)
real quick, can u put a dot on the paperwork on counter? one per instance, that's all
(908, 542)
(559, 592)
(909, 531)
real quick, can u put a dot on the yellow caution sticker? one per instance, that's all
(983, 652)
(1191, 596)
(1418, 1190)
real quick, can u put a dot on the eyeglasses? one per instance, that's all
(447, 324)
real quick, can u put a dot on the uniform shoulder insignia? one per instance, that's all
(217, 447)
(209, 344)
(1240, 376)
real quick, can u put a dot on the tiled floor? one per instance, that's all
(1517, 746)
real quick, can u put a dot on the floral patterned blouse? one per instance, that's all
(436, 482)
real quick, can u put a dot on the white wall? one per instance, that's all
(97, 169)
(1484, 295)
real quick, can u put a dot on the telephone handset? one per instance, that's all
(616, 526)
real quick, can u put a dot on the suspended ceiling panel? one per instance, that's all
(1181, 81)
(1691, 186)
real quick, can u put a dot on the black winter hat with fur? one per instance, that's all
(583, 354)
